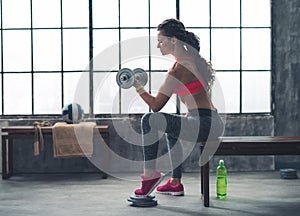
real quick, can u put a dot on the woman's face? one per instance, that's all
(164, 44)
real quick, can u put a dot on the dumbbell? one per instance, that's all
(125, 77)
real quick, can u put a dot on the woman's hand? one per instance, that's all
(136, 83)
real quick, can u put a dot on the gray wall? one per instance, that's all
(284, 121)
(286, 69)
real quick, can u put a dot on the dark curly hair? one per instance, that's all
(191, 42)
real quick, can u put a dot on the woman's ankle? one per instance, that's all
(149, 173)
(175, 181)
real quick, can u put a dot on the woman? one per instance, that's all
(191, 78)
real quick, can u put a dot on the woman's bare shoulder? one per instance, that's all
(177, 70)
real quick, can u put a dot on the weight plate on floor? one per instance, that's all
(141, 201)
(288, 174)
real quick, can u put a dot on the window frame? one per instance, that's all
(90, 113)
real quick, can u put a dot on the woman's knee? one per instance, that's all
(146, 117)
(152, 118)
(145, 122)
(154, 121)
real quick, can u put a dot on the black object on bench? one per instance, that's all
(244, 145)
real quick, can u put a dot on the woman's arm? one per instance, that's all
(164, 93)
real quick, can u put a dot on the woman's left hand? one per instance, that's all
(136, 83)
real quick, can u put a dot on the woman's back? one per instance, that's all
(186, 72)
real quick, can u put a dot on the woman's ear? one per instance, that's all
(173, 40)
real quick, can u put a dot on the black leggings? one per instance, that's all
(197, 126)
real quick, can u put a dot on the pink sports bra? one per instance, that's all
(188, 88)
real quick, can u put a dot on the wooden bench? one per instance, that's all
(9, 134)
(245, 145)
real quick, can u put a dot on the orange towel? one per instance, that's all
(73, 140)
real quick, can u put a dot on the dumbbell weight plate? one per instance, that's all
(125, 78)
(141, 75)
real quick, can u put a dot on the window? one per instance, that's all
(236, 36)
(46, 48)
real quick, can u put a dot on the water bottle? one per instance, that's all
(221, 180)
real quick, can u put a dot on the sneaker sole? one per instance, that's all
(154, 186)
(180, 193)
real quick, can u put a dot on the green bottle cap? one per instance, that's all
(221, 163)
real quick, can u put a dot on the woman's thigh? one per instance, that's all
(177, 126)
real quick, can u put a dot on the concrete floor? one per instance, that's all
(257, 193)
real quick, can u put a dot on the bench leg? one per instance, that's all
(7, 160)
(206, 184)
(4, 157)
(105, 156)
(204, 177)
(10, 157)
(201, 170)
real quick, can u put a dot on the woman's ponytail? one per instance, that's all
(193, 40)
(204, 67)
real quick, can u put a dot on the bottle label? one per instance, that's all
(221, 185)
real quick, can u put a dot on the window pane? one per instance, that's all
(204, 36)
(16, 13)
(46, 13)
(226, 92)
(256, 91)
(161, 10)
(256, 13)
(194, 13)
(46, 56)
(161, 63)
(131, 102)
(256, 49)
(75, 13)
(47, 93)
(76, 49)
(106, 93)
(104, 14)
(226, 49)
(183, 108)
(17, 94)
(1, 94)
(17, 50)
(2, 49)
(157, 80)
(76, 89)
(106, 49)
(225, 13)
(134, 13)
(135, 48)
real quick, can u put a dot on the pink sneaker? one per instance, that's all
(148, 184)
(168, 188)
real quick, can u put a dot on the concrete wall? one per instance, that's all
(286, 73)
(284, 121)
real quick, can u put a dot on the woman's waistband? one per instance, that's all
(202, 112)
